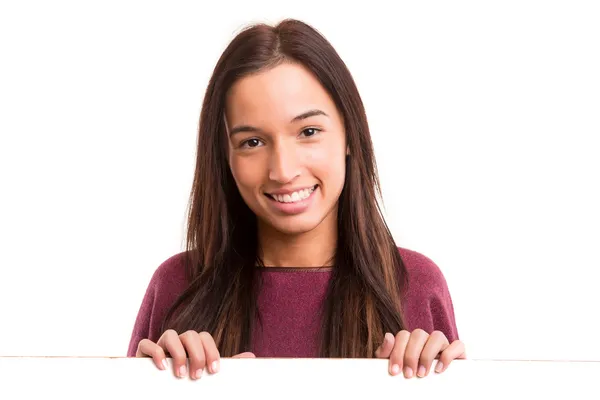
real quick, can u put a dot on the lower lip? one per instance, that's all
(293, 208)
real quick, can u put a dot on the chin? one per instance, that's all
(293, 225)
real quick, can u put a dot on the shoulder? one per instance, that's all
(423, 273)
(168, 281)
(171, 272)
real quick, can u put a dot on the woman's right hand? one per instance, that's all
(200, 348)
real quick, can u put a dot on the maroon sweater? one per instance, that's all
(289, 304)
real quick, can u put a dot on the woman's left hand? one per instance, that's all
(415, 352)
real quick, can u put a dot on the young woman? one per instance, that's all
(287, 252)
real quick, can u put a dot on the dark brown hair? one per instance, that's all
(364, 297)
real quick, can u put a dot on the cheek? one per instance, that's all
(245, 172)
(328, 165)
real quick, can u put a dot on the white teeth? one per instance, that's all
(293, 197)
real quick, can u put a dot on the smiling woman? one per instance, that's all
(287, 253)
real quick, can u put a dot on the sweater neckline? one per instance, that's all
(295, 269)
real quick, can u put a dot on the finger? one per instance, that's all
(195, 352)
(436, 343)
(397, 354)
(246, 354)
(386, 347)
(456, 350)
(415, 345)
(147, 348)
(211, 352)
(170, 341)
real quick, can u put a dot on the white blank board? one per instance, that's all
(138, 378)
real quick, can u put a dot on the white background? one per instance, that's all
(485, 117)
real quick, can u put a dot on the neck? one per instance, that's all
(315, 248)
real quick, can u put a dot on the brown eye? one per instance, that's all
(251, 143)
(309, 132)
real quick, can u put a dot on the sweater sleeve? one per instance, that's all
(427, 302)
(166, 284)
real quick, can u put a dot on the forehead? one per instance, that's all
(279, 93)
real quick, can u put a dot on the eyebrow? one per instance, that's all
(304, 115)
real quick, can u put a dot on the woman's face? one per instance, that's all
(287, 148)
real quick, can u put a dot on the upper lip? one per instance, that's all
(289, 191)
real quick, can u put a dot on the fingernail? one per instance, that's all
(164, 363)
(215, 366)
(182, 370)
(421, 371)
(408, 372)
(388, 337)
(439, 367)
(199, 373)
(395, 369)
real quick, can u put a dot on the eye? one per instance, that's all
(250, 143)
(309, 132)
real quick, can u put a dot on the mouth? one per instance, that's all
(294, 197)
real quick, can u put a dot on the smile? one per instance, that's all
(293, 197)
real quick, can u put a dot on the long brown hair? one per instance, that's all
(365, 291)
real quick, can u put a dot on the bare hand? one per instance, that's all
(200, 348)
(416, 351)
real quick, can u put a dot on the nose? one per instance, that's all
(283, 164)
